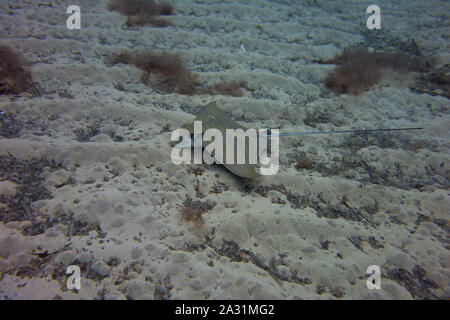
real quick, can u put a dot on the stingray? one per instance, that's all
(213, 117)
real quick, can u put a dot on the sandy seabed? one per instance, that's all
(87, 178)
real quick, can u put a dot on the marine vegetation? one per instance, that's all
(174, 75)
(15, 76)
(193, 210)
(167, 66)
(436, 82)
(142, 12)
(357, 69)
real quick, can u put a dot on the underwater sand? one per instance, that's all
(306, 233)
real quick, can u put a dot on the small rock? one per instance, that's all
(8, 188)
(103, 138)
(132, 202)
(136, 253)
(231, 204)
(123, 188)
(101, 268)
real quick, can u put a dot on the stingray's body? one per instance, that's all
(214, 118)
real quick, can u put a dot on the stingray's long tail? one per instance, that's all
(341, 131)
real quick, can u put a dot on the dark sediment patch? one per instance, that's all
(361, 214)
(416, 282)
(10, 126)
(27, 175)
